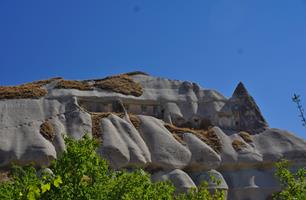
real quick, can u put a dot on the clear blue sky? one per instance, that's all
(216, 43)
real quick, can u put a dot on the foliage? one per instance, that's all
(293, 185)
(81, 169)
(137, 185)
(203, 192)
(80, 173)
(26, 184)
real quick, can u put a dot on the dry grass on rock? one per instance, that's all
(207, 136)
(44, 82)
(72, 84)
(121, 84)
(135, 121)
(26, 91)
(96, 122)
(246, 136)
(22, 92)
(238, 145)
(47, 130)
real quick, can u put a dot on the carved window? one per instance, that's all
(127, 107)
(155, 110)
(144, 108)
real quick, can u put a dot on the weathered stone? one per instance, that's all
(130, 123)
(250, 183)
(179, 178)
(214, 179)
(122, 139)
(241, 113)
(203, 156)
(166, 152)
(275, 144)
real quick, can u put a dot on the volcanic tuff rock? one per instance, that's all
(176, 130)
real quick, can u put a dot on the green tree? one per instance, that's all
(293, 185)
(81, 169)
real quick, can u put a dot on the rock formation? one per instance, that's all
(175, 130)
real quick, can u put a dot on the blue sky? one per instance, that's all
(216, 43)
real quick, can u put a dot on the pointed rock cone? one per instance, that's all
(240, 90)
(242, 112)
(250, 116)
(242, 95)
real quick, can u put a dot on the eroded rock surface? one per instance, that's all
(179, 178)
(131, 123)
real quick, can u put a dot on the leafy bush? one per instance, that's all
(26, 184)
(293, 185)
(80, 173)
(203, 193)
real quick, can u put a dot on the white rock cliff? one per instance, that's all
(176, 130)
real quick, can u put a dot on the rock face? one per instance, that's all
(131, 115)
(241, 113)
(179, 178)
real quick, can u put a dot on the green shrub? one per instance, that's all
(203, 193)
(26, 184)
(82, 171)
(293, 185)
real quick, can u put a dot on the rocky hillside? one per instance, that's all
(176, 130)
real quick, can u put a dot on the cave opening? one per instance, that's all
(96, 105)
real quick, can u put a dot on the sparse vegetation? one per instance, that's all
(96, 125)
(22, 92)
(207, 136)
(179, 138)
(96, 121)
(47, 130)
(297, 99)
(238, 145)
(72, 84)
(25, 91)
(246, 136)
(44, 82)
(135, 121)
(121, 84)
